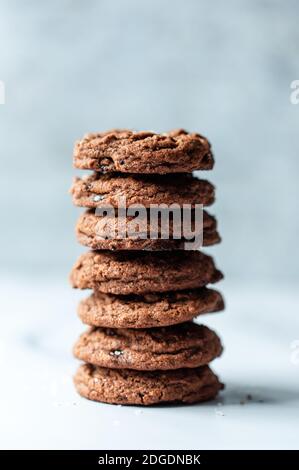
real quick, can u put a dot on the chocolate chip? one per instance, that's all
(116, 352)
(97, 198)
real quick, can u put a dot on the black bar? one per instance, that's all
(133, 458)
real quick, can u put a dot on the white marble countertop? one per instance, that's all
(39, 408)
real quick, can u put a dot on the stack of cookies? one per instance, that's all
(142, 346)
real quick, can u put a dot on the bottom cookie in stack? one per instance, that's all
(147, 366)
(132, 387)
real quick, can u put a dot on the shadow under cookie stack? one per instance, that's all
(143, 346)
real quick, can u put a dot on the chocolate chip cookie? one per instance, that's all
(149, 310)
(128, 151)
(131, 387)
(98, 190)
(102, 233)
(132, 272)
(163, 348)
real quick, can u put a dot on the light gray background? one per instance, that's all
(221, 68)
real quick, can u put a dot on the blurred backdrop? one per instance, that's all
(220, 68)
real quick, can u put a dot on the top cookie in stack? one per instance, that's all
(140, 298)
(126, 151)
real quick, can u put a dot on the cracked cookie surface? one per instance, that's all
(128, 151)
(129, 387)
(149, 310)
(164, 348)
(102, 233)
(98, 190)
(139, 272)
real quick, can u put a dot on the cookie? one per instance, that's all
(139, 272)
(127, 151)
(149, 310)
(98, 190)
(101, 233)
(129, 387)
(163, 348)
